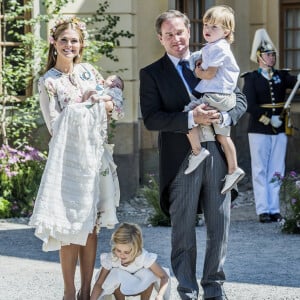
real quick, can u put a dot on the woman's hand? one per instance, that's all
(105, 98)
(109, 106)
(206, 115)
(95, 98)
(88, 94)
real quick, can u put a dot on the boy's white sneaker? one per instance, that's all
(232, 179)
(196, 160)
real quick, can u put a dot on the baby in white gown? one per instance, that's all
(129, 269)
(110, 89)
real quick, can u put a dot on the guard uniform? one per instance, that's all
(266, 97)
(265, 90)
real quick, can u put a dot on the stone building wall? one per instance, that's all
(135, 147)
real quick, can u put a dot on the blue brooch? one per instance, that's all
(276, 79)
(85, 75)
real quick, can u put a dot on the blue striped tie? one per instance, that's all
(189, 77)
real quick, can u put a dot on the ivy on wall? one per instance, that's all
(22, 64)
(23, 60)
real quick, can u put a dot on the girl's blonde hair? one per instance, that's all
(223, 15)
(128, 233)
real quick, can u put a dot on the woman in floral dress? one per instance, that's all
(79, 190)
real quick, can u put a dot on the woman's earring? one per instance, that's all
(55, 53)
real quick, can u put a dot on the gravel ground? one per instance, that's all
(262, 263)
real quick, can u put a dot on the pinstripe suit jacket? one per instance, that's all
(163, 96)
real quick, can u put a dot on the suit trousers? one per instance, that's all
(204, 185)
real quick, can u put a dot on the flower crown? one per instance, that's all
(66, 20)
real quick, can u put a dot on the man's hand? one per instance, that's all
(206, 115)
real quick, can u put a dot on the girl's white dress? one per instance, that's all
(79, 187)
(132, 279)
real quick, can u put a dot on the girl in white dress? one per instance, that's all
(79, 190)
(129, 269)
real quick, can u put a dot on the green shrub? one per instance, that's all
(290, 195)
(151, 194)
(20, 175)
(5, 207)
(21, 66)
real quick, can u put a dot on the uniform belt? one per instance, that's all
(275, 105)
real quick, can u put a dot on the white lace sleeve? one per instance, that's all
(49, 106)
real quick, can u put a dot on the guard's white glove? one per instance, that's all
(275, 121)
(264, 119)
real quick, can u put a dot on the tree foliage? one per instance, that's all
(19, 105)
(22, 65)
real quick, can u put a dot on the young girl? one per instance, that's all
(129, 269)
(219, 73)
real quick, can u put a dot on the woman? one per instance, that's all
(72, 202)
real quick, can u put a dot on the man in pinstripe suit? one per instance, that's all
(163, 95)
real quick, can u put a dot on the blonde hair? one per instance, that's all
(128, 233)
(223, 15)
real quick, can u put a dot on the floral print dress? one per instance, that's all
(79, 188)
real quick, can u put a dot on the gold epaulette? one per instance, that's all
(275, 105)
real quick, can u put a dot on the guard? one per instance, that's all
(265, 89)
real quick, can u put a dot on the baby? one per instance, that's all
(110, 89)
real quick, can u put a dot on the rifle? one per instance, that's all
(285, 114)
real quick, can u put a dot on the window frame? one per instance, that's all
(4, 44)
(291, 6)
(194, 9)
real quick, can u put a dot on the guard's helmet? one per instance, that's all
(261, 44)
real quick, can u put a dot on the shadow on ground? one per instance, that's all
(257, 253)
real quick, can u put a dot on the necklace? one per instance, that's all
(71, 75)
(70, 70)
(72, 78)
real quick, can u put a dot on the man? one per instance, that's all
(265, 90)
(163, 95)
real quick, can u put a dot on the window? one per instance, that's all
(9, 44)
(289, 51)
(194, 9)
